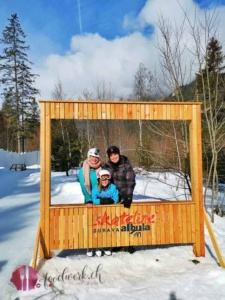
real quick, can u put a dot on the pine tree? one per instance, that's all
(210, 80)
(211, 91)
(18, 83)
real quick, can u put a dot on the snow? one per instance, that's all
(166, 272)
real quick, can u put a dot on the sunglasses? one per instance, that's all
(105, 178)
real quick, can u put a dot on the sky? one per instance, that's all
(85, 44)
(156, 273)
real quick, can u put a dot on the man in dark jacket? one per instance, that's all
(122, 175)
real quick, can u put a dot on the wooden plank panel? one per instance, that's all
(153, 225)
(175, 224)
(172, 112)
(123, 233)
(80, 111)
(104, 226)
(179, 223)
(108, 111)
(84, 110)
(52, 229)
(185, 109)
(81, 228)
(112, 112)
(138, 107)
(57, 110)
(134, 111)
(71, 108)
(62, 110)
(142, 111)
(66, 229)
(94, 111)
(193, 226)
(61, 228)
(76, 227)
(151, 112)
(135, 233)
(109, 228)
(131, 236)
(52, 110)
(189, 112)
(56, 229)
(66, 233)
(164, 112)
(68, 111)
(168, 112)
(90, 227)
(95, 227)
(76, 111)
(103, 107)
(158, 225)
(177, 112)
(145, 232)
(99, 111)
(114, 226)
(71, 232)
(117, 112)
(189, 240)
(140, 236)
(181, 112)
(147, 112)
(155, 112)
(159, 112)
(99, 234)
(171, 224)
(184, 224)
(162, 225)
(129, 112)
(121, 111)
(85, 228)
(124, 111)
(166, 224)
(118, 239)
(148, 233)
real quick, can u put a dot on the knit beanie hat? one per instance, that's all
(113, 149)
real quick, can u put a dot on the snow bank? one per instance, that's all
(29, 158)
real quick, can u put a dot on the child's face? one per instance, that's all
(104, 180)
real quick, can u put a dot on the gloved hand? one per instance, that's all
(126, 201)
(89, 202)
(104, 201)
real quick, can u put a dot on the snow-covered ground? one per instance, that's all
(168, 273)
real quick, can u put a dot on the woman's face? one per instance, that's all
(114, 157)
(94, 159)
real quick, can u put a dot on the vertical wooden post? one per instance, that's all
(45, 181)
(196, 178)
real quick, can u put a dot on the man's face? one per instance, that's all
(114, 157)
